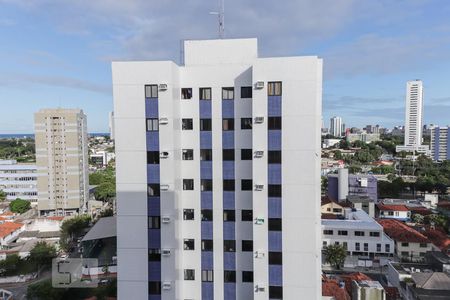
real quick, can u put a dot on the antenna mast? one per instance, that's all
(221, 18)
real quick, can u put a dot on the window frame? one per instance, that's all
(228, 124)
(152, 89)
(154, 123)
(205, 124)
(274, 88)
(246, 184)
(187, 154)
(227, 93)
(246, 123)
(188, 214)
(207, 95)
(188, 184)
(187, 124)
(189, 91)
(274, 123)
(247, 88)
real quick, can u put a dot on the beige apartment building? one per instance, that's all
(62, 161)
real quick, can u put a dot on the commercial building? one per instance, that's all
(363, 137)
(413, 118)
(18, 181)
(343, 184)
(358, 233)
(440, 143)
(337, 127)
(62, 161)
(214, 179)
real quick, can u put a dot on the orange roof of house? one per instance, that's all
(331, 288)
(8, 228)
(348, 278)
(439, 238)
(421, 211)
(392, 207)
(7, 213)
(401, 232)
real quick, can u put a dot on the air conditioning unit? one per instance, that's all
(165, 219)
(259, 85)
(162, 87)
(163, 154)
(164, 187)
(259, 187)
(259, 120)
(259, 154)
(259, 254)
(166, 285)
(260, 288)
(259, 221)
(165, 252)
(163, 121)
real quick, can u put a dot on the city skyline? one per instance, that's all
(368, 50)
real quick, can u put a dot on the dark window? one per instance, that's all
(154, 222)
(188, 184)
(342, 232)
(275, 292)
(246, 92)
(328, 232)
(186, 124)
(205, 124)
(228, 124)
(187, 154)
(154, 287)
(188, 214)
(207, 245)
(387, 248)
(246, 123)
(152, 124)
(229, 276)
(378, 247)
(374, 233)
(357, 247)
(153, 157)
(227, 93)
(274, 224)
(246, 185)
(186, 93)
(274, 157)
(229, 215)
(206, 154)
(189, 244)
(359, 233)
(275, 258)
(274, 88)
(246, 215)
(206, 185)
(228, 185)
(207, 215)
(247, 245)
(205, 93)
(207, 275)
(228, 154)
(154, 254)
(274, 190)
(274, 123)
(247, 276)
(229, 246)
(366, 247)
(423, 245)
(151, 91)
(246, 154)
(153, 190)
(189, 274)
(405, 244)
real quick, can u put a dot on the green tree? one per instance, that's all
(105, 191)
(344, 144)
(418, 218)
(8, 266)
(3, 195)
(337, 154)
(324, 184)
(335, 255)
(354, 169)
(72, 228)
(44, 290)
(19, 206)
(106, 213)
(42, 254)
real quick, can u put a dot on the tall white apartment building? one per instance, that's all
(62, 161)
(440, 143)
(218, 171)
(18, 181)
(414, 118)
(336, 126)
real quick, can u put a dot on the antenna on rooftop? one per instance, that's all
(221, 18)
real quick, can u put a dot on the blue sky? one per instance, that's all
(58, 52)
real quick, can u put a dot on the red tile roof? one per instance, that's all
(331, 288)
(401, 232)
(392, 207)
(348, 278)
(8, 228)
(444, 205)
(392, 293)
(421, 211)
(439, 238)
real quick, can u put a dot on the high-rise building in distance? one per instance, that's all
(61, 160)
(218, 190)
(440, 143)
(336, 126)
(111, 125)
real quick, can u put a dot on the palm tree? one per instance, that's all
(335, 255)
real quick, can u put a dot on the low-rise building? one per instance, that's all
(393, 211)
(360, 234)
(9, 232)
(329, 206)
(409, 243)
(367, 290)
(343, 184)
(18, 180)
(363, 136)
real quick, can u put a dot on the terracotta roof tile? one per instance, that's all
(8, 228)
(392, 207)
(331, 288)
(401, 232)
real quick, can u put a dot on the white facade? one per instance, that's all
(359, 233)
(216, 64)
(18, 180)
(336, 126)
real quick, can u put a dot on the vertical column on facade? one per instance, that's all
(206, 198)
(228, 169)
(274, 190)
(153, 192)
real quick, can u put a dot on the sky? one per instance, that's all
(58, 53)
